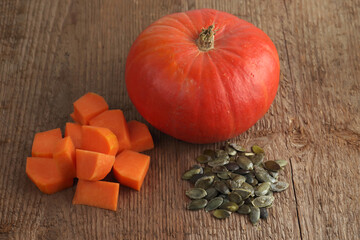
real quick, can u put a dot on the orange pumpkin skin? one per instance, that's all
(202, 96)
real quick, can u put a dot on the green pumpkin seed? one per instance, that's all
(194, 178)
(263, 176)
(232, 166)
(242, 171)
(272, 166)
(211, 193)
(249, 201)
(232, 159)
(279, 186)
(250, 178)
(262, 189)
(244, 209)
(219, 169)
(263, 201)
(243, 192)
(230, 151)
(256, 149)
(237, 147)
(270, 193)
(248, 187)
(223, 175)
(220, 161)
(196, 193)
(214, 204)
(282, 163)
(222, 187)
(197, 204)
(221, 213)
(203, 158)
(244, 163)
(235, 197)
(255, 182)
(254, 215)
(264, 213)
(204, 182)
(274, 174)
(220, 153)
(207, 170)
(210, 153)
(195, 170)
(249, 154)
(257, 159)
(230, 206)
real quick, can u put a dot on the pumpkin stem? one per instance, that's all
(205, 42)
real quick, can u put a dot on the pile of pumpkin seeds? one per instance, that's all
(234, 180)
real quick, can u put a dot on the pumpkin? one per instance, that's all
(202, 76)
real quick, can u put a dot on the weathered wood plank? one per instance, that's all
(53, 52)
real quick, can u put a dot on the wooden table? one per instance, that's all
(52, 52)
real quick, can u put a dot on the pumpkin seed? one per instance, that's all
(263, 201)
(196, 193)
(250, 178)
(244, 193)
(222, 187)
(248, 187)
(235, 197)
(233, 184)
(220, 153)
(221, 213)
(230, 206)
(232, 159)
(256, 149)
(232, 166)
(249, 201)
(219, 169)
(263, 176)
(207, 170)
(244, 163)
(211, 193)
(254, 183)
(244, 209)
(272, 166)
(203, 158)
(264, 213)
(195, 177)
(254, 215)
(262, 189)
(189, 173)
(241, 171)
(220, 161)
(214, 204)
(204, 182)
(257, 159)
(279, 186)
(230, 151)
(197, 204)
(223, 175)
(237, 147)
(282, 163)
(274, 174)
(249, 154)
(209, 152)
(234, 180)
(270, 193)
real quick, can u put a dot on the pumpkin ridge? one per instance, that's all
(192, 23)
(217, 71)
(177, 20)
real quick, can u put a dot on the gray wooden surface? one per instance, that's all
(52, 52)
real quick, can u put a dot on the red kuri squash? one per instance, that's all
(202, 76)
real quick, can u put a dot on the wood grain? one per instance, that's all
(51, 52)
